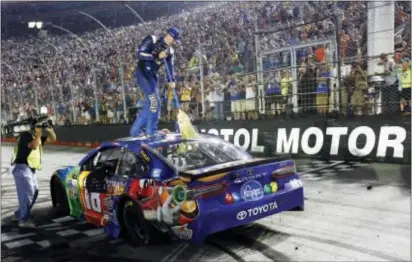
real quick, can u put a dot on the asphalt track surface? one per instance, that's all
(354, 211)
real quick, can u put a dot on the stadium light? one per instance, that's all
(32, 24)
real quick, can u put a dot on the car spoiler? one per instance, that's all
(195, 174)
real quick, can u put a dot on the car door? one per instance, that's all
(92, 181)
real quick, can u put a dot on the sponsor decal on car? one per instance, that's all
(145, 156)
(156, 172)
(182, 232)
(239, 180)
(251, 191)
(108, 202)
(294, 183)
(115, 187)
(251, 212)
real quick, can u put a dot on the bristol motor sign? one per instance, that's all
(311, 140)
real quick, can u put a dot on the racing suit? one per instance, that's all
(146, 73)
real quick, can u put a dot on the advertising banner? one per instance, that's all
(372, 138)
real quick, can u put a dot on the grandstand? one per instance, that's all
(259, 60)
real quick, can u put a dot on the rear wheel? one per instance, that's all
(138, 229)
(59, 198)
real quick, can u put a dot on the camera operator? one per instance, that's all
(26, 160)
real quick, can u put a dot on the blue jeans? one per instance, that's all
(219, 114)
(27, 190)
(149, 116)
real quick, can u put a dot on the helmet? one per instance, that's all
(175, 33)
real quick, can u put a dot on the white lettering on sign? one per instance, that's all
(370, 139)
(396, 143)
(213, 131)
(289, 142)
(255, 147)
(246, 138)
(285, 145)
(249, 140)
(305, 141)
(336, 133)
(226, 133)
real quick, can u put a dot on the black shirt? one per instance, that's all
(23, 150)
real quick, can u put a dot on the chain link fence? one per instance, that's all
(316, 68)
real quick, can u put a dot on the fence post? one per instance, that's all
(338, 67)
(96, 101)
(123, 90)
(202, 87)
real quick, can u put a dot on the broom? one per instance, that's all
(186, 129)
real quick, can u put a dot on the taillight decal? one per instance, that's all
(207, 191)
(284, 171)
(212, 178)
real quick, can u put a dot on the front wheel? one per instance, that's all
(59, 198)
(137, 228)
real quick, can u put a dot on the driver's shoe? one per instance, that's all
(157, 136)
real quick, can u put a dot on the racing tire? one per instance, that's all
(59, 198)
(136, 228)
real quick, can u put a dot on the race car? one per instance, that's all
(184, 188)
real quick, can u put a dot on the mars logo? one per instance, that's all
(251, 191)
(311, 141)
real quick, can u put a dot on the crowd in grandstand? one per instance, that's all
(82, 80)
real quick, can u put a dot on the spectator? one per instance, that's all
(286, 86)
(273, 95)
(251, 98)
(185, 96)
(322, 91)
(405, 83)
(227, 43)
(358, 102)
(218, 97)
(234, 90)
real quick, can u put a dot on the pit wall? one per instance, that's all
(371, 138)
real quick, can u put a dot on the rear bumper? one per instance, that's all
(229, 216)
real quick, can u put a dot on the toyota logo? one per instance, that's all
(241, 215)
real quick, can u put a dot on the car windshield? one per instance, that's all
(194, 154)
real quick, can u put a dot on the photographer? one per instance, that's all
(26, 160)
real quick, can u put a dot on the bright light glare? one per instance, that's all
(39, 25)
(32, 24)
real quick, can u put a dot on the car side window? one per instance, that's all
(107, 154)
(111, 154)
(132, 165)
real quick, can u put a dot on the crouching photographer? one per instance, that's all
(26, 159)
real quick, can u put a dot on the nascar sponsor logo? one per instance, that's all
(244, 179)
(251, 212)
(251, 191)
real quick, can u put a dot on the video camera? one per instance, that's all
(14, 128)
